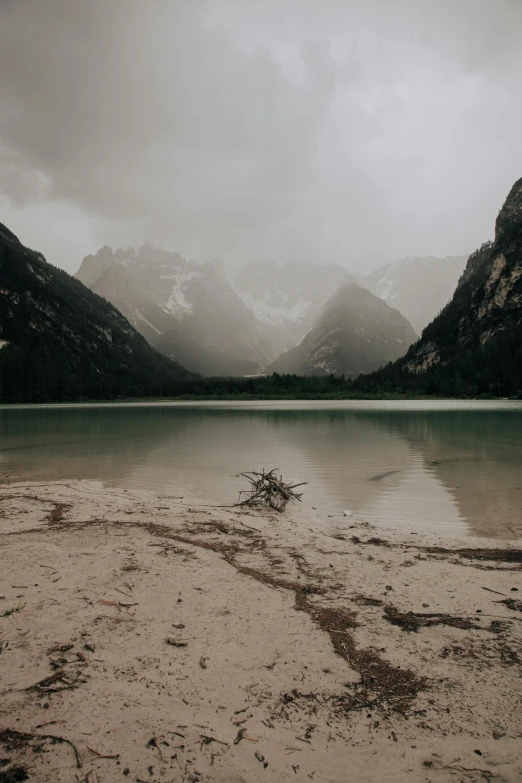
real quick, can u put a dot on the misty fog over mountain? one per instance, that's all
(267, 131)
(213, 325)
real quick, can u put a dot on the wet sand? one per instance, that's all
(159, 640)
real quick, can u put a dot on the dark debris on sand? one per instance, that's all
(412, 621)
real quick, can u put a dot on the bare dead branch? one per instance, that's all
(268, 489)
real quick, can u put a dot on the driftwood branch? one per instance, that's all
(268, 489)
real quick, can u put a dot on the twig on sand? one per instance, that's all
(68, 742)
(13, 610)
(268, 489)
(103, 755)
(123, 592)
(60, 676)
(261, 758)
(250, 527)
(153, 743)
(241, 735)
(12, 736)
(460, 768)
(59, 648)
(206, 739)
(175, 642)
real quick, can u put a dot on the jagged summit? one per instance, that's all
(187, 310)
(508, 226)
(291, 294)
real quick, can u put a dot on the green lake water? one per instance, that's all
(443, 466)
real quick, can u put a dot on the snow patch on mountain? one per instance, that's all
(163, 278)
(288, 298)
(269, 310)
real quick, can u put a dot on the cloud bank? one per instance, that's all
(354, 132)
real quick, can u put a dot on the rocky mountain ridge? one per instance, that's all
(357, 333)
(474, 346)
(188, 311)
(150, 278)
(488, 299)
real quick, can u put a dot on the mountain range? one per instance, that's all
(63, 339)
(287, 299)
(193, 315)
(60, 341)
(188, 311)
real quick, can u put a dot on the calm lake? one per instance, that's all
(443, 466)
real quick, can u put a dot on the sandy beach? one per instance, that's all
(153, 639)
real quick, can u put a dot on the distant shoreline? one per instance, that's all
(263, 398)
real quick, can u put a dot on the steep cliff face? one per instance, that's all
(501, 306)
(357, 333)
(163, 279)
(488, 300)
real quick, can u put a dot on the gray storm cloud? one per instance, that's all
(356, 132)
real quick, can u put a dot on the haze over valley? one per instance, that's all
(193, 314)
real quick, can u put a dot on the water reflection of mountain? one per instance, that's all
(370, 466)
(336, 455)
(478, 457)
(354, 462)
(410, 468)
(87, 442)
(424, 468)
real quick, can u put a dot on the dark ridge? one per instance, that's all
(5, 233)
(60, 342)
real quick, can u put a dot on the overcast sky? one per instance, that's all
(352, 131)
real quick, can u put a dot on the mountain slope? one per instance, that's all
(60, 341)
(149, 277)
(475, 345)
(116, 287)
(188, 311)
(418, 287)
(357, 333)
(287, 299)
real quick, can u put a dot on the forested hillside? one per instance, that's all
(59, 341)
